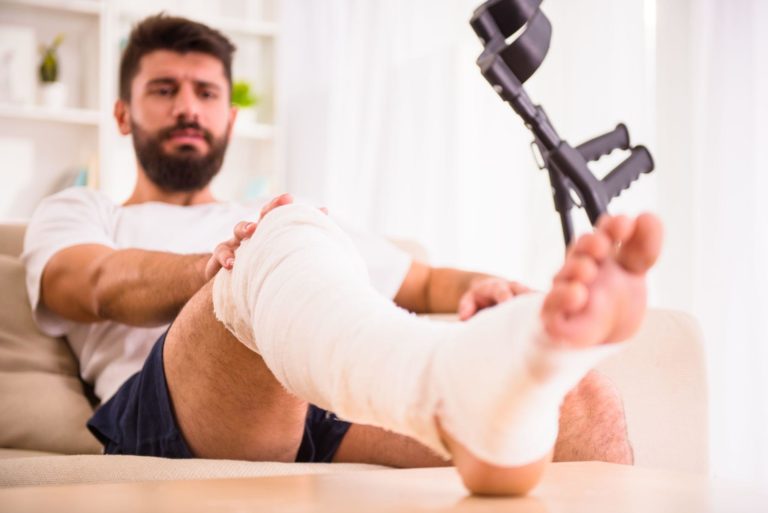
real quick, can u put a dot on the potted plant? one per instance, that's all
(244, 98)
(53, 93)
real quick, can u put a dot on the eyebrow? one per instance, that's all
(173, 81)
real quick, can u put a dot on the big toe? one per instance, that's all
(640, 251)
(617, 228)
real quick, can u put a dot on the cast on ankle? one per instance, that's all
(501, 383)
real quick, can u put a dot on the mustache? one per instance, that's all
(165, 133)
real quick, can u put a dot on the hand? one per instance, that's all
(487, 291)
(224, 254)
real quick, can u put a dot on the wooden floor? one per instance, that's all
(566, 487)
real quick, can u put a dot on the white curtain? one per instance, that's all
(729, 179)
(390, 124)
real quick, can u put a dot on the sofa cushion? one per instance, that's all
(57, 470)
(42, 405)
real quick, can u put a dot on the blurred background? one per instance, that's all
(377, 110)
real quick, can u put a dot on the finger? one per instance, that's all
(467, 306)
(481, 295)
(244, 230)
(211, 267)
(269, 206)
(491, 293)
(518, 288)
(324, 210)
(232, 244)
(224, 255)
(501, 293)
(489, 287)
(283, 199)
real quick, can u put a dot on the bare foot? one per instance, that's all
(599, 294)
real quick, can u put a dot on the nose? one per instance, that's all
(186, 103)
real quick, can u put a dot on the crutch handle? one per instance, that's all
(616, 139)
(638, 162)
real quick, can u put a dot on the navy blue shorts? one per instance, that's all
(139, 420)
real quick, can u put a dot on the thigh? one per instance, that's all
(138, 419)
(226, 401)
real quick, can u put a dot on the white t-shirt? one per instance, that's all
(110, 352)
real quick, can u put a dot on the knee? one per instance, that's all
(595, 395)
(593, 424)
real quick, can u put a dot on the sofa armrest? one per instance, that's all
(12, 238)
(661, 375)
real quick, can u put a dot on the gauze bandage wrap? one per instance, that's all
(299, 296)
(502, 382)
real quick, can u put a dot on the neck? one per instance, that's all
(146, 191)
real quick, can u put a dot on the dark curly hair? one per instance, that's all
(163, 32)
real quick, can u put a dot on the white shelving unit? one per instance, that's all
(39, 113)
(44, 149)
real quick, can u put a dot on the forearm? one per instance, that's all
(146, 288)
(428, 289)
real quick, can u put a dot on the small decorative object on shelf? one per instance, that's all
(245, 99)
(17, 65)
(53, 93)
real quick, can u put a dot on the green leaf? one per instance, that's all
(49, 66)
(242, 96)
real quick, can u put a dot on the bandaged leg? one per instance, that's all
(299, 296)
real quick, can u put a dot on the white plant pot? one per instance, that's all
(249, 115)
(53, 94)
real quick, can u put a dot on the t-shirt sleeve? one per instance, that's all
(69, 218)
(387, 264)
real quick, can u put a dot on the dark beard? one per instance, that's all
(184, 171)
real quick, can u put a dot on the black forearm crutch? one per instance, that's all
(507, 66)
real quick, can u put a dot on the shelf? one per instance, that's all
(38, 113)
(96, 30)
(243, 128)
(255, 28)
(75, 6)
(251, 130)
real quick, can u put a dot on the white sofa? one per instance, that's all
(44, 406)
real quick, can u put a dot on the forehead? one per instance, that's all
(194, 66)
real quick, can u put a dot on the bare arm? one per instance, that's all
(445, 290)
(433, 290)
(91, 283)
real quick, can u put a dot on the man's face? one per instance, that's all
(180, 118)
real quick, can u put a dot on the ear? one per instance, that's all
(123, 117)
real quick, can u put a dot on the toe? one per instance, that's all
(579, 268)
(565, 297)
(595, 245)
(617, 228)
(640, 251)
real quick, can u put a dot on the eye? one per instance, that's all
(162, 91)
(208, 94)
